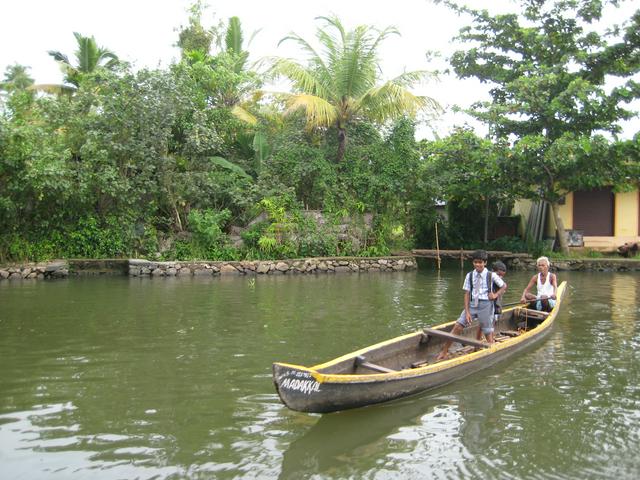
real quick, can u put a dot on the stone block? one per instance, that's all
(282, 266)
(201, 272)
(263, 268)
(228, 269)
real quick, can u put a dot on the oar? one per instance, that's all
(517, 303)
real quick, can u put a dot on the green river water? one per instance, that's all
(118, 378)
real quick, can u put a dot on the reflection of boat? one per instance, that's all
(407, 364)
(329, 447)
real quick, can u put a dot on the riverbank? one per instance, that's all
(147, 268)
(580, 264)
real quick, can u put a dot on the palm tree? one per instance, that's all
(89, 57)
(341, 85)
(16, 77)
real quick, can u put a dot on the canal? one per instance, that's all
(119, 378)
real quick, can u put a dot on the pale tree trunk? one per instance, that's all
(562, 235)
(178, 221)
(486, 220)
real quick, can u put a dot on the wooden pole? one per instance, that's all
(461, 260)
(437, 247)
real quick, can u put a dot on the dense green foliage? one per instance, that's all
(194, 161)
(161, 163)
(549, 67)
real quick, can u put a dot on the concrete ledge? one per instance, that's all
(98, 267)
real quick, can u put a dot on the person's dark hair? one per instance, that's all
(479, 255)
(499, 266)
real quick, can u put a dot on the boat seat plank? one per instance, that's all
(454, 338)
(510, 333)
(533, 313)
(362, 362)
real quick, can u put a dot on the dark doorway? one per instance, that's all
(593, 212)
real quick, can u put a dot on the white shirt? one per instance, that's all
(483, 293)
(545, 288)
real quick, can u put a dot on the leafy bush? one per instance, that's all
(251, 236)
(510, 244)
(16, 248)
(209, 240)
(91, 239)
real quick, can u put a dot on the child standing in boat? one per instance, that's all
(478, 299)
(547, 285)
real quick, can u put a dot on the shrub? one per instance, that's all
(209, 240)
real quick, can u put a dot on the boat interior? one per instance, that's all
(423, 348)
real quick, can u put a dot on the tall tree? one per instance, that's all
(549, 67)
(467, 171)
(89, 57)
(233, 41)
(341, 84)
(222, 79)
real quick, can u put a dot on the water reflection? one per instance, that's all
(358, 434)
(433, 435)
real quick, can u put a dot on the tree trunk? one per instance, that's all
(562, 235)
(178, 221)
(486, 220)
(342, 144)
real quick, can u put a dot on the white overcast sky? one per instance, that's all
(144, 32)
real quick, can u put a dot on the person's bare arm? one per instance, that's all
(501, 290)
(526, 290)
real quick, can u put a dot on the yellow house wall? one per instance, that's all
(625, 226)
(626, 214)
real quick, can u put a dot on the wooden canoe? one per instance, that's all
(407, 365)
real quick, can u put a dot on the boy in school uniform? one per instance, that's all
(478, 299)
(501, 269)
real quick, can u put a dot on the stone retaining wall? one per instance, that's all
(146, 268)
(58, 269)
(587, 265)
(141, 268)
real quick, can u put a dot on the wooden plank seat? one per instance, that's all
(419, 364)
(362, 362)
(454, 338)
(530, 313)
(510, 333)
